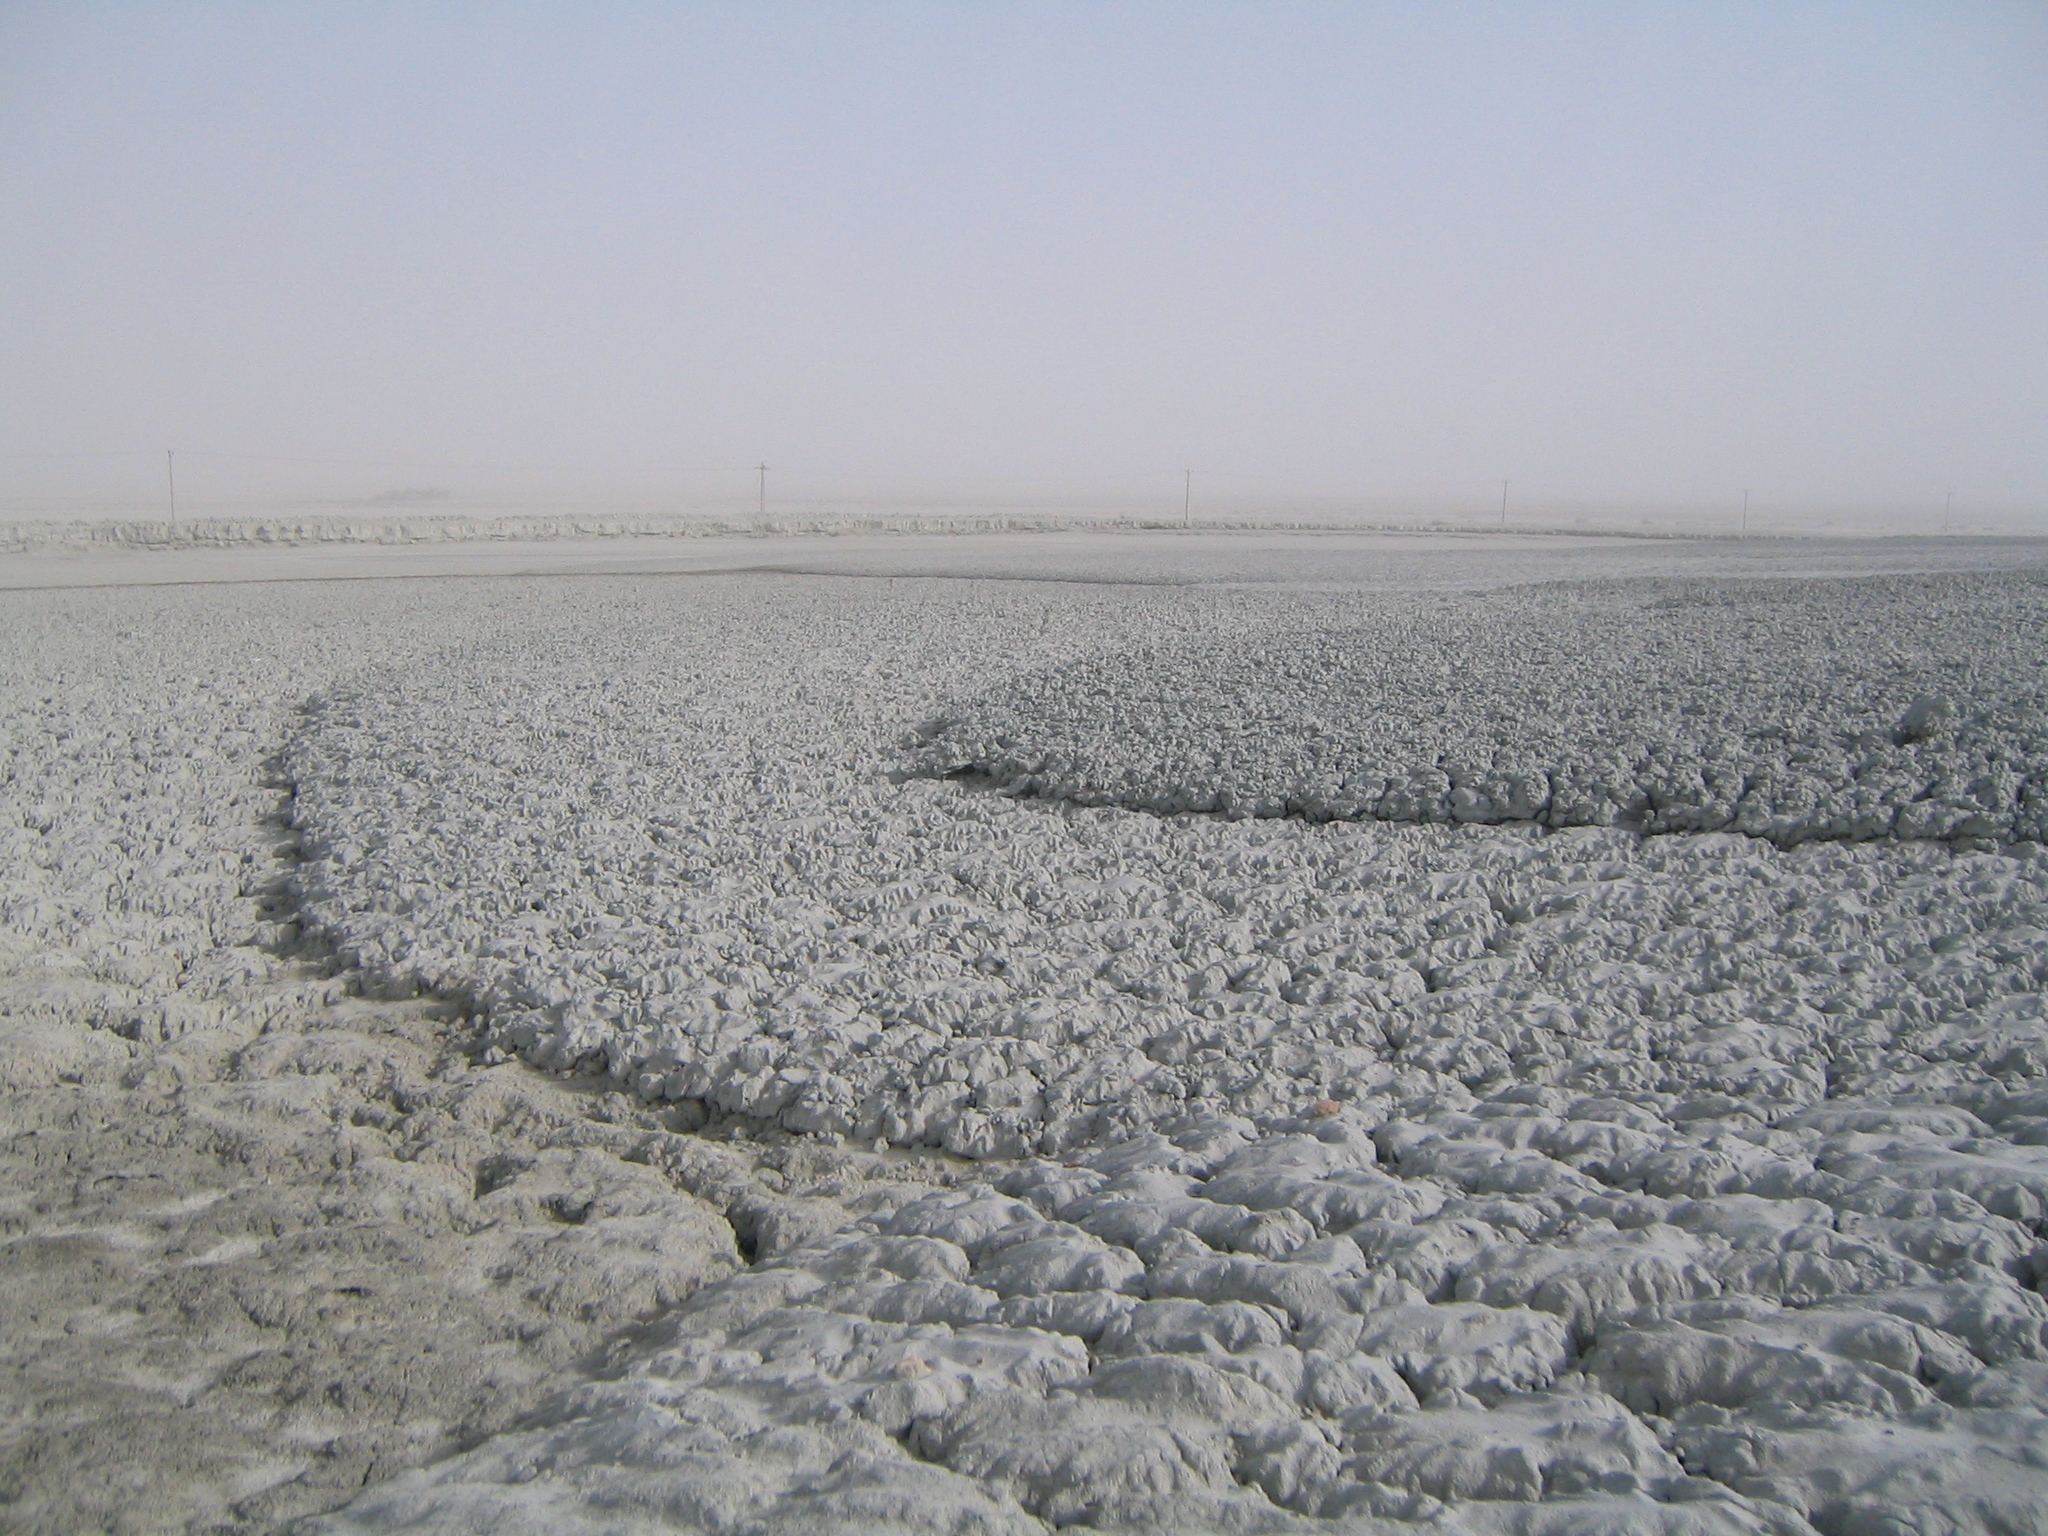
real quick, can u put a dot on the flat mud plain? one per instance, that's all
(1154, 1032)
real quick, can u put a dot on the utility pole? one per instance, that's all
(1187, 502)
(1745, 514)
(1948, 512)
(1503, 503)
(763, 468)
(171, 478)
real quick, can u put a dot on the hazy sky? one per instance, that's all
(1612, 252)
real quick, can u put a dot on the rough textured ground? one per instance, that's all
(925, 1158)
(656, 861)
(264, 1240)
(1905, 707)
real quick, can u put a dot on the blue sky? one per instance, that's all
(1626, 253)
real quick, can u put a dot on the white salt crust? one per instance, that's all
(1324, 1177)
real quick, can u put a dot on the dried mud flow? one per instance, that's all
(777, 1053)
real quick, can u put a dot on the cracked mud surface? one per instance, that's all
(528, 1049)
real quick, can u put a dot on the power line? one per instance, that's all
(404, 464)
(103, 453)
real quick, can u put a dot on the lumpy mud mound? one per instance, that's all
(1337, 1176)
(1540, 1312)
(650, 862)
(1900, 707)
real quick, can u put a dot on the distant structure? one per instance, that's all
(763, 468)
(1503, 503)
(1745, 514)
(1187, 501)
(171, 478)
